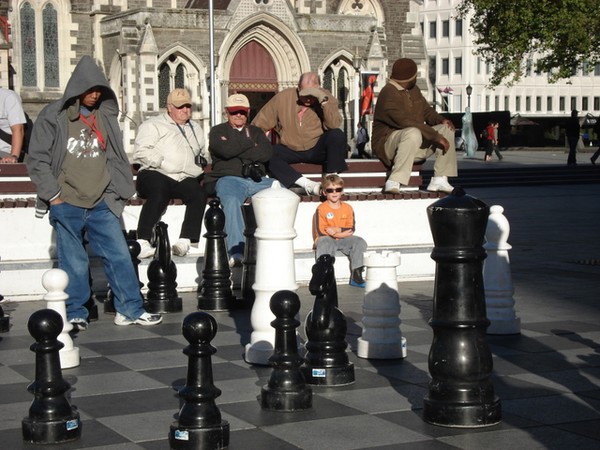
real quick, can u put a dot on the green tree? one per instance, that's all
(559, 36)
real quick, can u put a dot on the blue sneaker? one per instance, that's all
(356, 279)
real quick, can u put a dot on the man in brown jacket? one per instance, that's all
(307, 120)
(407, 129)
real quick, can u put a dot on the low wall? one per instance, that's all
(386, 224)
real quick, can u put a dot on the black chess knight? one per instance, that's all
(326, 359)
(162, 294)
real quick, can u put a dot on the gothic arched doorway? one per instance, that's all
(253, 74)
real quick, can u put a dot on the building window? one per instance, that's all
(487, 102)
(584, 104)
(497, 103)
(528, 67)
(549, 106)
(518, 103)
(432, 29)
(597, 70)
(538, 103)
(342, 90)
(445, 66)
(39, 53)
(432, 70)
(458, 28)
(28, 47)
(527, 103)
(506, 103)
(573, 103)
(171, 75)
(50, 30)
(596, 103)
(561, 103)
(458, 65)
(445, 28)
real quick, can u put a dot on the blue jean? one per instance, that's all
(233, 191)
(106, 239)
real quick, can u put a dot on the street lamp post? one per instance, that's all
(469, 92)
(356, 62)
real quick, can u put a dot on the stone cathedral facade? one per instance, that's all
(259, 47)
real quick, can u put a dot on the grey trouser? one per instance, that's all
(352, 246)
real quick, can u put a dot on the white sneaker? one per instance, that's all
(146, 250)
(440, 184)
(393, 187)
(146, 319)
(313, 188)
(194, 250)
(181, 247)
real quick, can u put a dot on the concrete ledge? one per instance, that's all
(390, 224)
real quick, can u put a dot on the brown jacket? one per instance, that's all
(281, 113)
(397, 109)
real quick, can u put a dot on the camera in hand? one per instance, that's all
(253, 171)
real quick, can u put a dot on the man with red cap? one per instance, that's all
(239, 153)
(407, 129)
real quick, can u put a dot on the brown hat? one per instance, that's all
(237, 102)
(404, 70)
(179, 97)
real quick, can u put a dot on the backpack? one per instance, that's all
(484, 133)
(367, 139)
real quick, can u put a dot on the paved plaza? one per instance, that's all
(548, 377)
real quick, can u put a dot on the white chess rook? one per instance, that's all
(381, 337)
(55, 281)
(275, 212)
(497, 279)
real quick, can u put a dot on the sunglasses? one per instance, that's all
(182, 106)
(332, 190)
(239, 112)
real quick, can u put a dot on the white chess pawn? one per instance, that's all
(275, 212)
(55, 281)
(497, 279)
(381, 337)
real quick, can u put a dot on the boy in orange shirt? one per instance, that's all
(334, 229)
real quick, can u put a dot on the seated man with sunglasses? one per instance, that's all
(166, 147)
(334, 228)
(307, 119)
(239, 153)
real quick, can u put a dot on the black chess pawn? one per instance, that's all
(249, 269)
(199, 425)
(215, 292)
(51, 419)
(162, 294)
(4, 320)
(326, 358)
(461, 393)
(286, 390)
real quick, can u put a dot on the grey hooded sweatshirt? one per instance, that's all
(48, 145)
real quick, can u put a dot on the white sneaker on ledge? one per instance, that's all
(181, 247)
(393, 187)
(440, 184)
(194, 250)
(313, 188)
(146, 250)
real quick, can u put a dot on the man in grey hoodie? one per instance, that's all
(83, 176)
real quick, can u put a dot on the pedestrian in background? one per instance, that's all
(572, 132)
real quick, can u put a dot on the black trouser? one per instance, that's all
(329, 151)
(158, 190)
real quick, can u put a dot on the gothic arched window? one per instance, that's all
(50, 31)
(39, 50)
(171, 75)
(28, 46)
